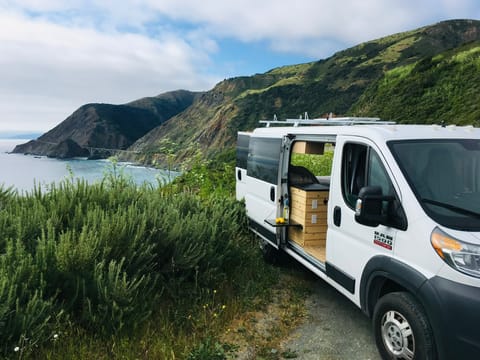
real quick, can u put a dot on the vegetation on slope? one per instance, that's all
(440, 89)
(344, 84)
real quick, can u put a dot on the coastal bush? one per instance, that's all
(107, 257)
(320, 165)
(206, 177)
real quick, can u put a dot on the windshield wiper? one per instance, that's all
(452, 208)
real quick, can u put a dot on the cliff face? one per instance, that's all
(94, 129)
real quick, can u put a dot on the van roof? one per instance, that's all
(377, 132)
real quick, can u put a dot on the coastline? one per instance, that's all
(24, 172)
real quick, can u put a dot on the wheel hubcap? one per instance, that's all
(397, 335)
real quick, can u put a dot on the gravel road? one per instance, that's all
(335, 329)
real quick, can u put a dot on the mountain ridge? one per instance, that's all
(387, 77)
(335, 84)
(94, 128)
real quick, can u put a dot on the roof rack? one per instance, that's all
(327, 121)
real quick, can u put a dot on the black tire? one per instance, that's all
(269, 253)
(401, 328)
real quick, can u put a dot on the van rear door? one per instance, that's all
(243, 141)
(262, 182)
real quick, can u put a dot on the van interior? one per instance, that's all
(308, 185)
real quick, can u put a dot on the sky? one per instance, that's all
(57, 55)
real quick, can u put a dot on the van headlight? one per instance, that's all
(460, 255)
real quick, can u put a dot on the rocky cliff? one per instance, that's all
(97, 130)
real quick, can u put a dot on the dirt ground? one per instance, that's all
(333, 329)
(306, 319)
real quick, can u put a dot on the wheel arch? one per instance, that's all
(384, 274)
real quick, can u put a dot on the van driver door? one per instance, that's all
(352, 244)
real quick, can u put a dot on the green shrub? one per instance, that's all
(105, 257)
(320, 165)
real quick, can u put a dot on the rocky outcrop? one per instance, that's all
(68, 149)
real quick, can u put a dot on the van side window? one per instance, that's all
(362, 167)
(263, 159)
(377, 176)
(353, 171)
(242, 150)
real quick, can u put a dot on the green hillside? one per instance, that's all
(416, 76)
(443, 88)
(421, 76)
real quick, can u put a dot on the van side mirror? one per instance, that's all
(369, 206)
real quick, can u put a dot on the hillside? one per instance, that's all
(105, 126)
(420, 76)
(404, 77)
(443, 88)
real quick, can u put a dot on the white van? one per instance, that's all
(387, 214)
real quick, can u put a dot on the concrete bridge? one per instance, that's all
(110, 151)
(97, 150)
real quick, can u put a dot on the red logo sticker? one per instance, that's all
(383, 240)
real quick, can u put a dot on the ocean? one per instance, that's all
(24, 171)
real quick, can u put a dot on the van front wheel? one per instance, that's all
(401, 328)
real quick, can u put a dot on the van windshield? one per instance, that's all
(445, 177)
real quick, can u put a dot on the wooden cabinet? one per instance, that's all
(308, 207)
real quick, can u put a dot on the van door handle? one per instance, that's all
(272, 194)
(337, 215)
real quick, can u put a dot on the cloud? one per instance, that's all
(57, 55)
(43, 62)
(346, 22)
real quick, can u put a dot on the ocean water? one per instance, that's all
(24, 171)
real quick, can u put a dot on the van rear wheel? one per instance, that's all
(401, 328)
(269, 253)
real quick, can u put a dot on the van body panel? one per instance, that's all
(351, 245)
(413, 247)
(261, 184)
(386, 267)
(241, 183)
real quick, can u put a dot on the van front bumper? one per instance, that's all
(454, 312)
